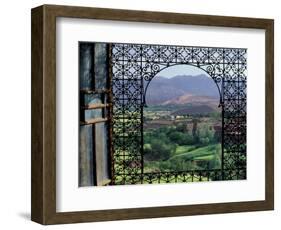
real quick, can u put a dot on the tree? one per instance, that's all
(177, 137)
(215, 162)
(181, 127)
(159, 150)
(181, 138)
(194, 129)
(205, 135)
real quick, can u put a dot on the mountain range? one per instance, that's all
(182, 89)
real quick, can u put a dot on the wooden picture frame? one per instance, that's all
(43, 208)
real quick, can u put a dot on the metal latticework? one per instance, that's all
(133, 66)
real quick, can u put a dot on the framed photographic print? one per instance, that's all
(140, 114)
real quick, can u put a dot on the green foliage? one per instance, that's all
(176, 165)
(205, 135)
(158, 150)
(181, 138)
(180, 147)
(215, 115)
(215, 162)
(181, 127)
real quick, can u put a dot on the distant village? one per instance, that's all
(159, 120)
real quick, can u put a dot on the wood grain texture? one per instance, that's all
(86, 132)
(44, 114)
(269, 114)
(37, 116)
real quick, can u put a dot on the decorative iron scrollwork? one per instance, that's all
(134, 66)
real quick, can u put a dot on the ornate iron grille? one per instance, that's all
(133, 66)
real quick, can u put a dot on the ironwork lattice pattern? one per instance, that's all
(133, 66)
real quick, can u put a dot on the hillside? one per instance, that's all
(182, 89)
(193, 99)
(194, 109)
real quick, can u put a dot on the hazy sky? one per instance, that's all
(181, 70)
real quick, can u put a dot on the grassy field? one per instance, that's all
(181, 149)
(196, 153)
